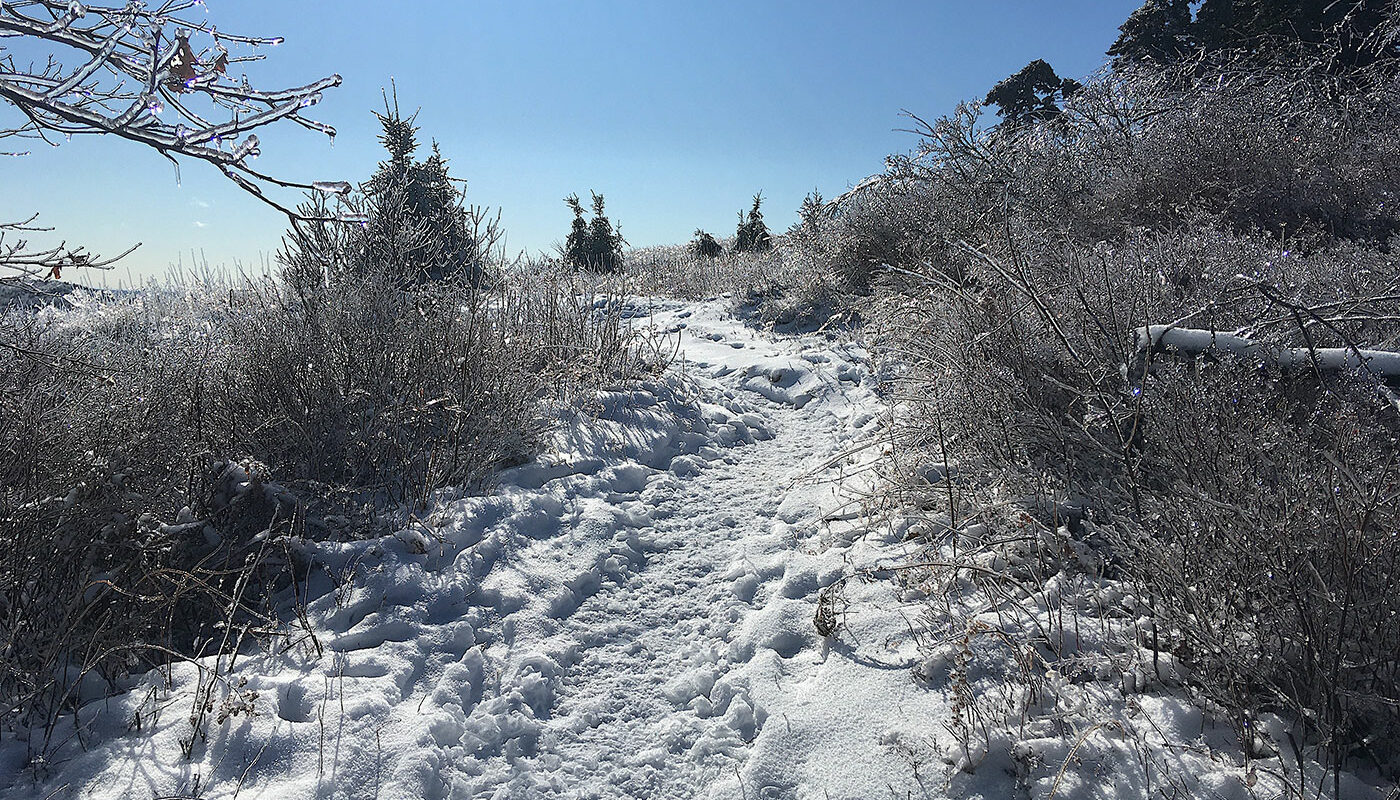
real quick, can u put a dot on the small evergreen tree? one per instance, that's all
(607, 242)
(593, 244)
(576, 247)
(811, 212)
(407, 222)
(1032, 95)
(418, 228)
(705, 246)
(753, 235)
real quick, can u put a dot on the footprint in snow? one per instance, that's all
(293, 703)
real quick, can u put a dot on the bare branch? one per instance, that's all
(24, 262)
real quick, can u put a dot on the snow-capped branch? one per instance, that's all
(134, 71)
(1381, 364)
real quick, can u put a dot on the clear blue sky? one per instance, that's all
(676, 111)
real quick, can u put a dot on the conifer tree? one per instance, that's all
(1032, 95)
(606, 242)
(418, 228)
(1214, 25)
(593, 244)
(752, 235)
(1165, 31)
(810, 213)
(576, 247)
(705, 246)
(1160, 31)
(412, 224)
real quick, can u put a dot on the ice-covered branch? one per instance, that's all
(21, 261)
(134, 71)
(1383, 365)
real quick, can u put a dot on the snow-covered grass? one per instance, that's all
(160, 451)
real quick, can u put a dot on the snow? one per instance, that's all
(632, 615)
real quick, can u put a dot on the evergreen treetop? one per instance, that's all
(418, 226)
(413, 226)
(704, 245)
(1159, 31)
(592, 244)
(1031, 95)
(752, 235)
(1165, 31)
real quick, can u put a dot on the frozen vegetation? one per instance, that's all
(688, 593)
(1058, 460)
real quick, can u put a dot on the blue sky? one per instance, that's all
(678, 112)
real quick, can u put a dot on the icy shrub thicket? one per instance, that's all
(782, 287)
(1251, 502)
(1294, 152)
(159, 455)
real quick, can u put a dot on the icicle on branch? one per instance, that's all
(151, 73)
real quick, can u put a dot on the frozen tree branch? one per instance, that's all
(17, 256)
(1381, 364)
(134, 71)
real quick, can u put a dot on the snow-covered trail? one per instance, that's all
(666, 679)
(629, 616)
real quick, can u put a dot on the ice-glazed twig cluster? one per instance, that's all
(158, 74)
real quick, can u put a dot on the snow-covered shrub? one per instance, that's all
(1284, 149)
(907, 220)
(381, 390)
(800, 298)
(159, 453)
(783, 287)
(1243, 494)
(1267, 544)
(679, 271)
(125, 534)
(1206, 472)
(870, 232)
(1298, 156)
